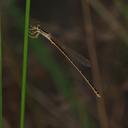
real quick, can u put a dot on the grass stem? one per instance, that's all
(1, 120)
(24, 68)
(90, 39)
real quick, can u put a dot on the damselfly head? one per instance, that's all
(34, 31)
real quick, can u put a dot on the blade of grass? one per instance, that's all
(90, 39)
(110, 20)
(24, 68)
(1, 124)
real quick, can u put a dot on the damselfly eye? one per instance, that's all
(32, 28)
(38, 26)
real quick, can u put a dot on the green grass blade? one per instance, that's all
(24, 68)
(1, 122)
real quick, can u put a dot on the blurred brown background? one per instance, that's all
(57, 97)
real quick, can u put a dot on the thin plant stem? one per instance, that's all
(35, 31)
(93, 57)
(110, 20)
(1, 120)
(24, 68)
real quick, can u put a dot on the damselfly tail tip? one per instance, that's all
(98, 95)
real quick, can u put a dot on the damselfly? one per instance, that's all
(36, 30)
